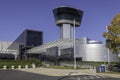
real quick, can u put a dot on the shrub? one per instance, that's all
(9, 63)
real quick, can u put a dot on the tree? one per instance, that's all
(113, 35)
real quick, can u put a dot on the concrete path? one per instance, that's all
(58, 72)
(66, 72)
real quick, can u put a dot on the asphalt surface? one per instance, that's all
(88, 77)
(21, 75)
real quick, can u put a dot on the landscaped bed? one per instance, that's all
(16, 63)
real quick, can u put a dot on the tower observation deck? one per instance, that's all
(64, 17)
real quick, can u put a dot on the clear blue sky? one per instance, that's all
(17, 15)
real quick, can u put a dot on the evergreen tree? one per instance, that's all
(113, 35)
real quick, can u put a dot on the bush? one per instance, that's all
(9, 63)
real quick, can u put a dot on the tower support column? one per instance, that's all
(66, 31)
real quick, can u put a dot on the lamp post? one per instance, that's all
(74, 44)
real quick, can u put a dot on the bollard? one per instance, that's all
(33, 66)
(12, 67)
(26, 66)
(4, 67)
(19, 66)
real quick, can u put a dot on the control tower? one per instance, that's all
(66, 18)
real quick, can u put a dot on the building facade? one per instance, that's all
(6, 53)
(30, 43)
(28, 39)
(86, 50)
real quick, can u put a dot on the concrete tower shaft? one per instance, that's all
(64, 17)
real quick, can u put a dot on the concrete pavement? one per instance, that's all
(66, 72)
(57, 72)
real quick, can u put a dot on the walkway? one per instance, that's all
(66, 72)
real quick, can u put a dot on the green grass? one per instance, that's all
(61, 67)
(111, 72)
(92, 63)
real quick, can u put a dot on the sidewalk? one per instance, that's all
(53, 72)
(66, 72)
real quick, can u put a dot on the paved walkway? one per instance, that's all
(66, 72)
(57, 72)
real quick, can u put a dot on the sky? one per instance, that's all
(18, 15)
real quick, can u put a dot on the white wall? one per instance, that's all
(4, 45)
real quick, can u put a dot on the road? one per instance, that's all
(20, 75)
(88, 77)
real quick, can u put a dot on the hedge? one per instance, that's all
(16, 63)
